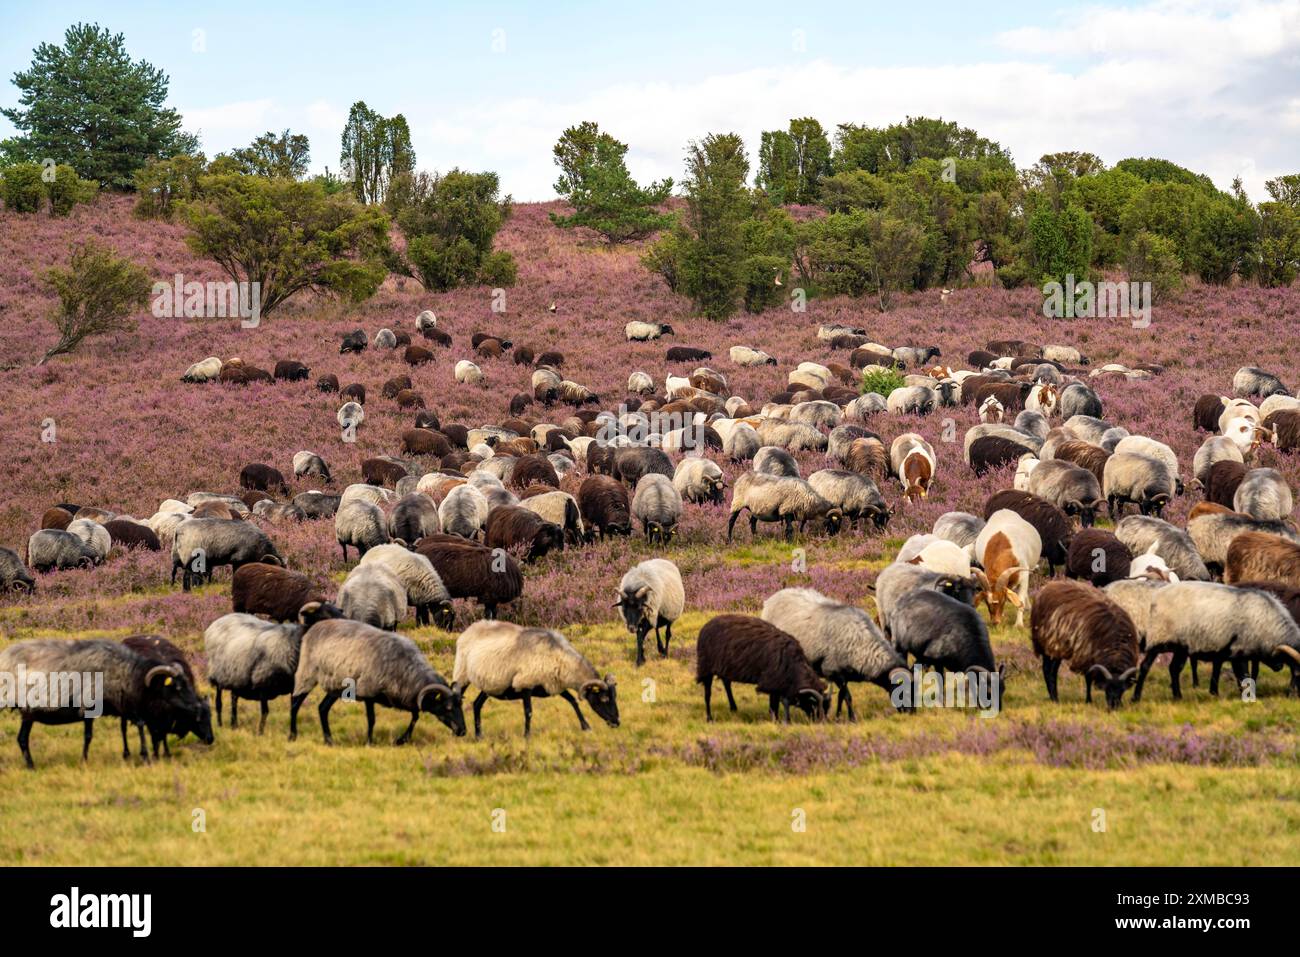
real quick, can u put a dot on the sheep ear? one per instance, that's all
(1014, 599)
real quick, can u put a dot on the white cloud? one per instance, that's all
(223, 121)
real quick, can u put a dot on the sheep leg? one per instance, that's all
(731, 699)
(576, 710)
(528, 713)
(789, 528)
(1147, 662)
(731, 523)
(294, 704)
(641, 630)
(1049, 678)
(659, 644)
(345, 551)
(405, 736)
(708, 699)
(668, 637)
(846, 699)
(218, 687)
(266, 710)
(753, 525)
(126, 744)
(1239, 671)
(370, 722)
(1254, 671)
(1196, 675)
(24, 736)
(478, 713)
(773, 707)
(234, 710)
(324, 711)
(88, 732)
(1216, 670)
(144, 752)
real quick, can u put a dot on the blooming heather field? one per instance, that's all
(1173, 778)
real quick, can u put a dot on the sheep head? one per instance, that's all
(444, 704)
(1114, 686)
(602, 695)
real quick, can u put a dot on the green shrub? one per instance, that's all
(97, 293)
(881, 381)
(161, 184)
(26, 187)
(1154, 259)
(22, 187)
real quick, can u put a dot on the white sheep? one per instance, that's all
(651, 595)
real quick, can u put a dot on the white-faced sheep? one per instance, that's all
(699, 480)
(651, 595)
(509, 662)
(912, 460)
(375, 667)
(840, 642)
(360, 524)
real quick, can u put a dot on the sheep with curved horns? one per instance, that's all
(856, 495)
(1130, 477)
(944, 633)
(901, 578)
(840, 642)
(375, 667)
(651, 595)
(509, 662)
(1070, 488)
(1009, 549)
(203, 544)
(699, 480)
(658, 507)
(1078, 624)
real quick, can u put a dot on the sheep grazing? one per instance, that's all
(1204, 621)
(840, 642)
(687, 354)
(309, 463)
(747, 356)
(56, 517)
(1079, 625)
(260, 478)
(1008, 548)
(95, 535)
(509, 662)
(1214, 532)
(637, 331)
(741, 648)
(201, 545)
(354, 341)
(989, 452)
(162, 722)
(1215, 449)
(14, 575)
(135, 687)
(1066, 355)
(657, 505)
(1263, 494)
(857, 496)
(1130, 477)
(770, 460)
(651, 595)
(1078, 399)
(901, 578)
(946, 634)
(492, 577)
(699, 480)
(1072, 489)
(1262, 556)
(361, 524)
(277, 593)
(1097, 556)
(1052, 525)
(912, 460)
(373, 594)
(422, 585)
(467, 373)
(291, 371)
(207, 370)
(991, 410)
(1044, 399)
(1083, 454)
(770, 498)
(533, 469)
(514, 528)
(605, 505)
(1249, 381)
(317, 504)
(1222, 481)
(1139, 533)
(376, 667)
(413, 517)
(131, 534)
(912, 400)
(464, 511)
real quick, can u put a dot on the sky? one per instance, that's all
(1211, 85)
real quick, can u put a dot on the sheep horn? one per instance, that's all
(1105, 672)
(1005, 577)
(172, 671)
(1289, 652)
(1127, 674)
(982, 578)
(435, 688)
(594, 685)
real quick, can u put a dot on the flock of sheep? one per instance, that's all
(463, 510)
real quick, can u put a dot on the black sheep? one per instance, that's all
(354, 341)
(291, 371)
(509, 526)
(130, 534)
(471, 570)
(994, 452)
(632, 462)
(745, 649)
(259, 478)
(687, 354)
(605, 505)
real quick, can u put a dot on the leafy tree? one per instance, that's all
(97, 293)
(288, 236)
(860, 252)
(791, 164)
(596, 183)
(88, 105)
(162, 183)
(896, 147)
(1105, 195)
(1155, 170)
(1166, 208)
(1285, 189)
(450, 233)
(270, 155)
(1059, 243)
(1224, 239)
(769, 243)
(665, 256)
(25, 187)
(852, 189)
(1279, 243)
(717, 205)
(375, 150)
(1153, 258)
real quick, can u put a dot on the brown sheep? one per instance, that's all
(409, 399)
(1222, 480)
(131, 535)
(56, 518)
(457, 435)
(260, 478)
(1010, 394)
(471, 570)
(604, 503)
(270, 591)
(1206, 412)
(215, 509)
(520, 401)
(1085, 455)
(252, 497)
(517, 447)
(436, 336)
(489, 349)
(1285, 425)
(1260, 555)
(356, 392)
(533, 469)
(867, 456)
(1097, 556)
(511, 527)
(291, 371)
(1078, 624)
(395, 385)
(427, 420)
(553, 359)
(425, 442)
(377, 471)
(417, 355)
(328, 383)
(749, 650)
(524, 355)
